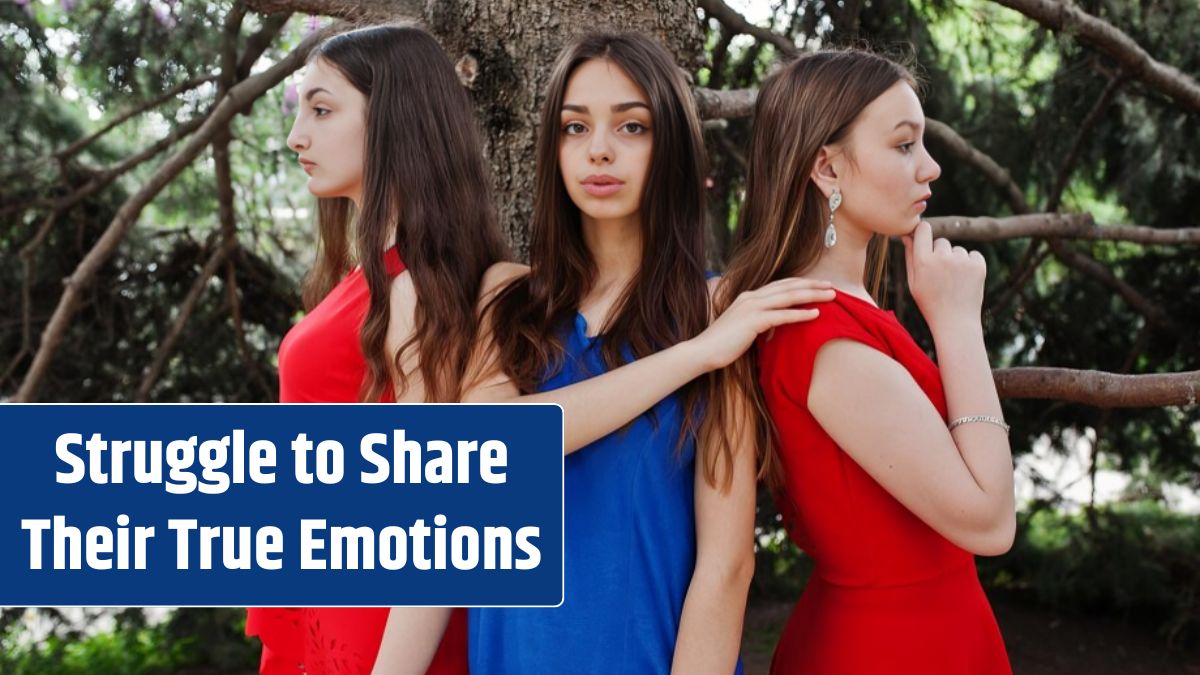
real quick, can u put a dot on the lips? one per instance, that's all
(923, 202)
(307, 165)
(602, 185)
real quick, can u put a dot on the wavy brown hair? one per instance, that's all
(667, 301)
(810, 103)
(425, 183)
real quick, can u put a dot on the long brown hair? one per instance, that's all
(667, 301)
(424, 181)
(809, 103)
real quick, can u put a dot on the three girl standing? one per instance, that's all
(612, 321)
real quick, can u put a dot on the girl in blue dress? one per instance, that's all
(610, 322)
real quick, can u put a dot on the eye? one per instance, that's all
(906, 148)
(635, 128)
(320, 112)
(574, 128)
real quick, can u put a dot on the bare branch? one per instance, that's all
(167, 346)
(74, 148)
(1085, 130)
(104, 178)
(737, 23)
(962, 149)
(1069, 226)
(354, 11)
(85, 272)
(1088, 265)
(1031, 260)
(1067, 18)
(1100, 389)
(258, 43)
(725, 103)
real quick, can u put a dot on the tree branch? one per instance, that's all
(1085, 129)
(74, 148)
(1100, 389)
(1068, 226)
(236, 100)
(257, 44)
(962, 149)
(738, 24)
(101, 180)
(725, 103)
(354, 11)
(167, 345)
(1088, 265)
(1066, 18)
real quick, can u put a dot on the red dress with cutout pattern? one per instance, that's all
(320, 361)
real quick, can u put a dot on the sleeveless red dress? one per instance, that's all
(320, 361)
(888, 594)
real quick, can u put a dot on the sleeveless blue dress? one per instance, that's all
(630, 549)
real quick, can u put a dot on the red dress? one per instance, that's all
(888, 594)
(321, 361)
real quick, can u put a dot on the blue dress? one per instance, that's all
(630, 550)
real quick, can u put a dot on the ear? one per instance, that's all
(825, 170)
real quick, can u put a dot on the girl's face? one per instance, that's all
(885, 187)
(329, 132)
(605, 144)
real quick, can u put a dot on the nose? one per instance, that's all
(930, 169)
(600, 150)
(297, 140)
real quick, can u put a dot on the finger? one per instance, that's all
(922, 239)
(774, 295)
(796, 282)
(802, 296)
(908, 252)
(783, 317)
(960, 251)
(785, 286)
(941, 246)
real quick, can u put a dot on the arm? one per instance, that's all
(411, 640)
(960, 484)
(710, 630)
(600, 405)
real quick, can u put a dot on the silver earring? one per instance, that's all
(835, 200)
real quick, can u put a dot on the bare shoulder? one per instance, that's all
(714, 284)
(500, 275)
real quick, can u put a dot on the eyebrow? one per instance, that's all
(620, 107)
(914, 125)
(313, 92)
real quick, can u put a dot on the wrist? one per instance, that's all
(956, 327)
(693, 359)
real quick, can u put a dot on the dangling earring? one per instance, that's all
(835, 200)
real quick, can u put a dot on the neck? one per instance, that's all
(616, 248)
(845, 265)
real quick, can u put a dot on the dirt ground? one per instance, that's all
(1039, 642)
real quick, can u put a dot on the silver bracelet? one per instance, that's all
(979, 418)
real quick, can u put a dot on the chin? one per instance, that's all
(604, 211)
